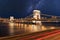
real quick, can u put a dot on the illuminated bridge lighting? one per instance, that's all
(11, 18)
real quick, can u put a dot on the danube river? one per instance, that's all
(9, 29)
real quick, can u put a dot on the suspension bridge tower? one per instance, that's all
(37, 15)
(11, 18)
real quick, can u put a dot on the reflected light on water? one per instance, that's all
(11, 24)
(15, 24)
(34, 27)
(11, 28)
(44, 28)
(52, 27)
(15, 27)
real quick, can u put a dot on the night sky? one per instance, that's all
(23, 8)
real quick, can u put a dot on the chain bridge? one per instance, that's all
(35, 16)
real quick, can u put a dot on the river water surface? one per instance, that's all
(9, 29)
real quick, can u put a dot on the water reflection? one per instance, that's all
(23, 28)
(11, 28)
(44, 28)
(19, 28)
(52, 28)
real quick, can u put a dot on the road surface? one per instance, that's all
(44, 35)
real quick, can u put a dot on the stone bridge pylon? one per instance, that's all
(37, 15)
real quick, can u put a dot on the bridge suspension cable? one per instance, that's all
(31, 15)
(42, 14)
(49, 15)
